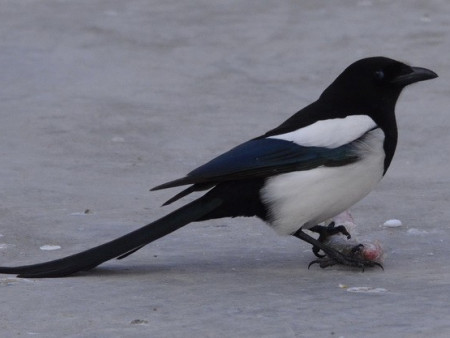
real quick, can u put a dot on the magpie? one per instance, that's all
(313, 166)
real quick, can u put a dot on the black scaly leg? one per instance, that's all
(325, 232)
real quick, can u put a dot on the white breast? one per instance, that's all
(306, 198)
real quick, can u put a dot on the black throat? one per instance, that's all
(388, 124)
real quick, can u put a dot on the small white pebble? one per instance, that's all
(425, 18)
(50, 247)
(6, 245)
(81, 213)
(416, 232)
(392, 223)
(13, 280)
(118, 139)
(366, 289)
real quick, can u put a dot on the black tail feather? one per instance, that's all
(191, 189)
(120, 247)
(126, 254)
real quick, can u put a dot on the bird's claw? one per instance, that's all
(353, 259)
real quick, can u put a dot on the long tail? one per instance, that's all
(120, 247)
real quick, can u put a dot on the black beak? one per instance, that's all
(415, 75)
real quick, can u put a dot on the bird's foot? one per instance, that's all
(325, 232)
(354, 258)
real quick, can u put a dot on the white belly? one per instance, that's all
(306, 198)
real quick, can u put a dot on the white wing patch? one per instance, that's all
(330, 133)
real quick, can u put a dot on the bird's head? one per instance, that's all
(377, 81)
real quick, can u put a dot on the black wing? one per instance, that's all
(261, 157)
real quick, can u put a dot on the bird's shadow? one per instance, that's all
(280, 263)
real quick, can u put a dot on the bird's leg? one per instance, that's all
(325, 232)
(333, 256)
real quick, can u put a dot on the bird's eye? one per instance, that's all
(379, 75)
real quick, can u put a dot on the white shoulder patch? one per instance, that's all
(330, 133)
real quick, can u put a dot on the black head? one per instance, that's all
(374, 84)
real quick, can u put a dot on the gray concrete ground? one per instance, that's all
(101, 100)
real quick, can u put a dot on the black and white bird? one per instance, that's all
(313, 166)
